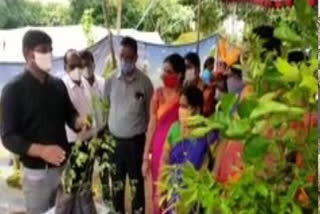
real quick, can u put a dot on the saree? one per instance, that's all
(188, 150)
(229, 156)
(167, 114)
(183, 150)
(229, 160)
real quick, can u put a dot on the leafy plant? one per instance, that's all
(277, 124)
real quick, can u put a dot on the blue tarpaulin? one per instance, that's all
(150, 60)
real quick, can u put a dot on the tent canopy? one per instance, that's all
(74, 36)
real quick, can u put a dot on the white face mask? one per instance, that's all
(75, 74)
(43, 61)
(86, 73)
(190, 75)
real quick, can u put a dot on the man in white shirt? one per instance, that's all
(79, 92)
(97, 84)
(80, 95)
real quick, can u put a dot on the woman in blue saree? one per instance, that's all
(180, 147)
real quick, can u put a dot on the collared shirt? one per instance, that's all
(81, 97)
(98, 97)
(33, 112)
(98, 85)
(129, 104)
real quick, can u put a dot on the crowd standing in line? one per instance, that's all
(43, 117)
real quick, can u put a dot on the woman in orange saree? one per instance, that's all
(164, 112)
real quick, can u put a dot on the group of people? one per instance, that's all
(44, 116)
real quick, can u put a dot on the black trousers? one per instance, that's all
(127, 160)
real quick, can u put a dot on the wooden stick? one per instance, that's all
(198, 27)
(107, 26)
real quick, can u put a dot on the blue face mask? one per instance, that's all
(206, 76)
(127, 68)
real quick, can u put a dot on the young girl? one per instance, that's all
(180, 147)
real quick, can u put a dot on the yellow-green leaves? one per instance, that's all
(238, 129)
(285, 33)
(290, 73)
(309, 82)
(273, 107)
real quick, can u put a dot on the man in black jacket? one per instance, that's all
(35, 108)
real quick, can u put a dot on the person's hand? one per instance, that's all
(52, 154)
(83, 124)
(145, 167)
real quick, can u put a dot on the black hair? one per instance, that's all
(65, 57)
(32, 38)
(177, 63)
(237, 72)
(194, 96)
(264, 31)
(130, 43)
(87, 55)
(296, 56)
(271, 43)
(193, 58)
(209, 61)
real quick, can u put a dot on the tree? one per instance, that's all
(18, 13)
(170, 18)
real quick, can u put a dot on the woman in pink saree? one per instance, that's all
(163, 113)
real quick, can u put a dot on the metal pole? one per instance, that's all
(198, 27)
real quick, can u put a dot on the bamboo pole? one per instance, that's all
(198, 26)
(119, 16)
(107, 26)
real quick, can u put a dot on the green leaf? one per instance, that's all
(196, 120)
(200, 132)
(266, 108)
(303, 11)
(310, 83)
(238, 129)
(255, 148)
(294, 96)
(221, 118)
(262, 189)
(227, 102)
(268, 97)
(284, 32)
(293, 188)
(290, 73)
(295, 111)
(246, 107)
(259, 127)
(296, 209)
(314, 64)
(215, 126)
